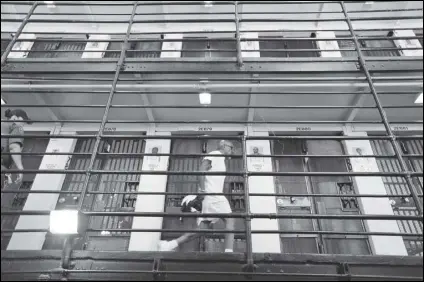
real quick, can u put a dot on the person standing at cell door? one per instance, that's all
(11, 147)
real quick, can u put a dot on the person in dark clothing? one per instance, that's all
(13, 144)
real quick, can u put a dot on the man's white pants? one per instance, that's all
(214, 204)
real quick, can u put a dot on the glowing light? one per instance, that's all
(205, 98)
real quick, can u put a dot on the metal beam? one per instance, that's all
(252, 101)
(207, 122)
(149, 111)
(14, 11)
(229, 137)
(90, 14)
(321, 9)
(213, 265)
(41, 100)
(11, 87)
(220, 215)
(358, 101)
(339, 66)
(145, 101)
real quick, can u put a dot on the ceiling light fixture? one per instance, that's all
(208, 4)
(50, 4)
(68, 222)
(64, 222)
(205, 98)
(419, 99)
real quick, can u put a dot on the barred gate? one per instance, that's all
(46, 49)
(190, 183)
(305, 243)
(103, 183)
(398, 186)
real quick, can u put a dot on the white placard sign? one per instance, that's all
(361, 164)
(153, 161)
(256, 160)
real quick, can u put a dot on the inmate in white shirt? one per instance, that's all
(215, 184)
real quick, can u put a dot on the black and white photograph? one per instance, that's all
(212, 140)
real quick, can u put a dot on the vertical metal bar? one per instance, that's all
(396, 147)
(109, 103)
(314, 207)
(237, 21)
(18, 33)
(248, 219)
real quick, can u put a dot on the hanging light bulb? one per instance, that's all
(208, 4)
(205, 98)
(50, 4)
(419, 99)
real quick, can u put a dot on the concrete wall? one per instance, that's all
(263, 243)
(328, 45)
(96, 46)
(148, 241)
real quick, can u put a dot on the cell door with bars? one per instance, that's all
(16, 202)
(47, 49)
(136, 49)
(282, 48)
(398, 186)
(293, 243)
(205, 48)
(189, 184)
(375, 44)
(103, 239)
(345, 205)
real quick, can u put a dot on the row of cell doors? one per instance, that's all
(119, 241)
(203, 47)
(293, 243)
(298, 243)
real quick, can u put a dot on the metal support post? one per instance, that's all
(108, 104)
(393, 140)
(238, 36)
(250, 265)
